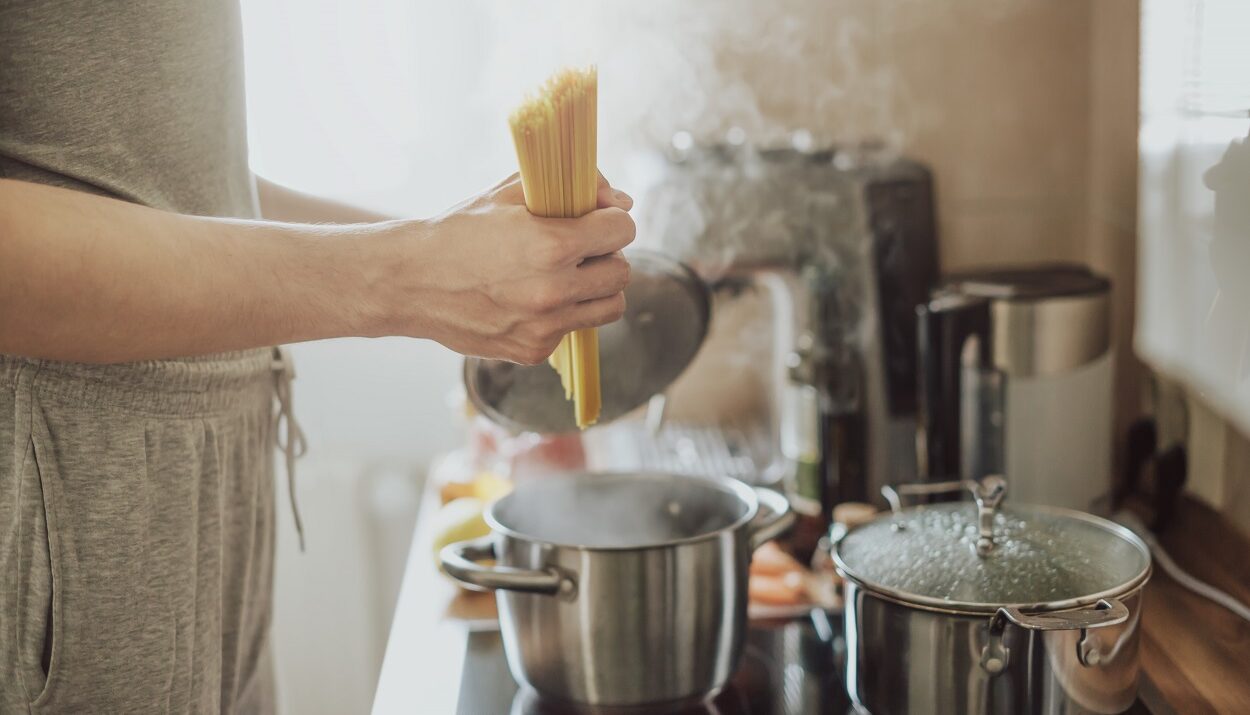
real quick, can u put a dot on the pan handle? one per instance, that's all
(459, 560)
(1107, 612)
(773, 520)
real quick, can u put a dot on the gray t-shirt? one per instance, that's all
(137, 99)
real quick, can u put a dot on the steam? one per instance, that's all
(615, 511)
(710, 67)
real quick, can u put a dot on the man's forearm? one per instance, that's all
(279, 203)
(90, 279)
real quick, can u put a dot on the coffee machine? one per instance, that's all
(1016, 380)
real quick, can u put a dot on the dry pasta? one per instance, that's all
(555, 137)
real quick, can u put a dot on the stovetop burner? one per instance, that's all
(788, 667)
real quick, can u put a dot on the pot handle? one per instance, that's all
(459, 560)
(778, 519)
(1107, 612)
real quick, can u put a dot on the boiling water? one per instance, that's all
(618, 511)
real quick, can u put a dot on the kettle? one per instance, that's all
(1015, 376)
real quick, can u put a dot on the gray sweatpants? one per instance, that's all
(136, 536)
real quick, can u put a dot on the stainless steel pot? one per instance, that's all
(968, 608)
(622, 589)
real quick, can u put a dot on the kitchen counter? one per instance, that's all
(1196, 653)
(425, 652)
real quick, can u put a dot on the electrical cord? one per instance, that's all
(1171, 568)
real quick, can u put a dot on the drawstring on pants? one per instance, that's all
(291, 440)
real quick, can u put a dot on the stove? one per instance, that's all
(788, 667)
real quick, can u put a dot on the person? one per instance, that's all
(145, 275)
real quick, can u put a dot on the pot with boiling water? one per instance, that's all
(622, 589)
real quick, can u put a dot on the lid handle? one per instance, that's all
(988, 493)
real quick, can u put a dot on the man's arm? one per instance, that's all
(91, 279)
(279, 203)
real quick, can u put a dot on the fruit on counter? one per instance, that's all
(486, 487)
(771, 560)
(458, 520)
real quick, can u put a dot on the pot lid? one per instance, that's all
(1041, 558)
(667, 309)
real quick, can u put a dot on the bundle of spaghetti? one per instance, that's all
(555, 136)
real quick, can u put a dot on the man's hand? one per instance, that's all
(90, 279)
(490, 279)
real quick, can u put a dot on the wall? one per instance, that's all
(1112, 206)
(1007, 101)
(995, 97)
